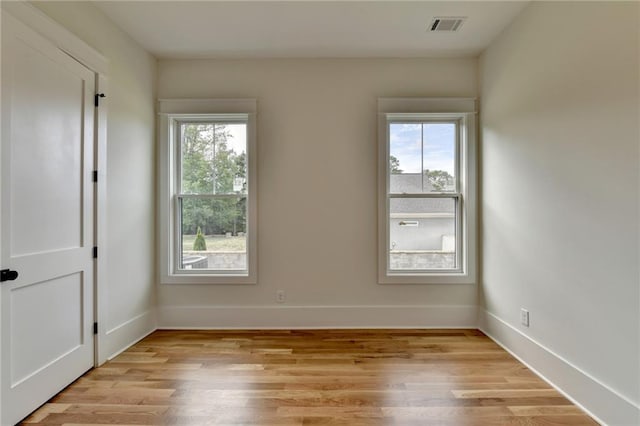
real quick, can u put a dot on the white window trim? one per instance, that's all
(170, 111)
(465, 110)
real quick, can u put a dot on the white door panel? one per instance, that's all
(47, 220)
(59, 300)
(47, 195)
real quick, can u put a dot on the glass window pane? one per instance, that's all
(214, 158)
(214, 234)
(422, 233)
(405, 157)
(422, 157)
(439, 153)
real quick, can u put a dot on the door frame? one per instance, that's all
(98, 64)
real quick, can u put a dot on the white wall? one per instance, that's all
(317, 193)
(560, 185)
(130, 286)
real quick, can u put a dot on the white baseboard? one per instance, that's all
(301, 317)
(604, 404)
(123, 336)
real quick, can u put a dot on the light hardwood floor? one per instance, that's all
(320, 377)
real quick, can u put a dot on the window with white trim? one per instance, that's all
(426, 190)
(208, 196)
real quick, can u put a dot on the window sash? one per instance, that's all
(421, 119)
(459, 235)
(456, 195)
(177, 228)
(218, 119)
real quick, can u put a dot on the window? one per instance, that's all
(208, 196)
(426, 190)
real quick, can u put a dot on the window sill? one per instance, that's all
(185, 279)
(426, 279)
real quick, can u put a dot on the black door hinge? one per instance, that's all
(95, 252)
(95, 175)
(97, 97)
(95, 328)
(8, 275)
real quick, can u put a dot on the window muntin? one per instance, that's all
(427, 213)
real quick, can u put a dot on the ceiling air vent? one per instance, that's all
(446, 23)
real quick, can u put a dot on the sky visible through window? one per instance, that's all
(439, 146)
(237, 140)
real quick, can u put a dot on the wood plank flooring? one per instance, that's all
(312, 377)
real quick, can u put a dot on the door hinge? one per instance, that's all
(95, 328)
(95, 252)
(8, 275)
(97, 97)
(95, 175)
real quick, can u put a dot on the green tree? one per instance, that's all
(439, 179)
(204, 154)
(240, 164)
(394, 164)
(199, 244)
(209, 167)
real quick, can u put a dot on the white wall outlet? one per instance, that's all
(280, 296)
(524, 317)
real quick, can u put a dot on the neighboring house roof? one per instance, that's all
(422, 205)
(411, 183)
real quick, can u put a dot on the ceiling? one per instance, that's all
(308, 29)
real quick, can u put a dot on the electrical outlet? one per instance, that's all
(280, 296)
(524, 317)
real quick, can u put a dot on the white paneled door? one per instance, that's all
(47, 220)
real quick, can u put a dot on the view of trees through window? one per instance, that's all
(438, 179)
(213, 195)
